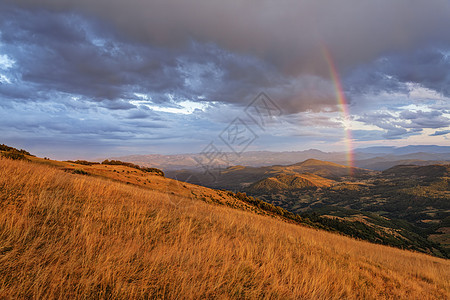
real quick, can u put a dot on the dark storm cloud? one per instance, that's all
(428, 67)
(67, 53)
(288, 33)
(278, 51)
(253, 46)
(75, 55)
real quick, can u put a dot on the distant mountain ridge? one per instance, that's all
(421, 171)
(237, 177)
(406, 149)
(374, 158)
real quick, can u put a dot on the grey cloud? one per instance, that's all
(427, 66)
(52, 55)
(92, 61)
(139, 114)
(421, 119)
(288, 33)
(117, 104)
(407, 123)
(63, 52)
(368, 135)
(440, 132)
(395, 133)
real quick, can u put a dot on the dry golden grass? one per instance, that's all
(73, 236)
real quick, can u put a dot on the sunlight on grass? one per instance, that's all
(76, 236)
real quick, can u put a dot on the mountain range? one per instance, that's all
(374, 158)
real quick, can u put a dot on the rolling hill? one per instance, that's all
(384, 163)
(374, 158)
(284, 182)
(109, 231)
(409, 203)
(430, 171)
(404, 206)
(240, 177)
(326, 169)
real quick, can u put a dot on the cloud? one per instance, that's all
(185, 57)
(425, 68)
(53, 56)
(369, 135)
(440, 132)
(287, 33)
(403, 123)
(421, 119)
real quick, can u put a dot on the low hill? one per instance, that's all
(315, 163)
(239, 177)
(284, 182)
(408, 203)
(434, 171)
(326, 169)
(382, 163)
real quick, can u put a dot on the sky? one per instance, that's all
(100, 78)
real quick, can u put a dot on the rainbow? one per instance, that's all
(343, 105)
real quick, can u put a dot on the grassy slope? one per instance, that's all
(67, 235)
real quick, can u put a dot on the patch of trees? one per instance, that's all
(355, 229)
(14, 155)
(80, 171)
(83, 162)
(134, 166)
(4, 147)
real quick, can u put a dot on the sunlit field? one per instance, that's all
(75, 236)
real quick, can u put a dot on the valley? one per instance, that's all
(404, 206)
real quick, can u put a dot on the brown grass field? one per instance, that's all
(69, 236)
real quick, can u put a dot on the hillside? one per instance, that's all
(284, 182)
(384, 163)
(65, 235)
(405, 206)
(409, 204)
(239, 177)
(326, 169)
(432, 171)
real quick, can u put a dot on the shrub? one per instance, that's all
(83, 162)
(131, 165)
(80, 171)
(4, 147)
(15, 155)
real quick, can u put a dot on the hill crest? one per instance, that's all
(286, 182)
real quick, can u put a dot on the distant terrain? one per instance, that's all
(374, 158)
(405, 206)
(391, 195)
